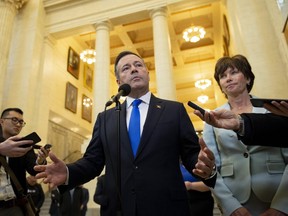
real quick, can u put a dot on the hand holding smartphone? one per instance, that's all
(33, 136)
(259, 102)
(196, 107)
(47, 146)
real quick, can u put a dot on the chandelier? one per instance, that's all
(203, 98)
(88, 55)
(194, 34)
(203, 83)
(87, 102)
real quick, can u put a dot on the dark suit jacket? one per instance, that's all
(70, 206)
(99, 196)
(22, 164)
(152, 183)
(54, 209)
(37, 195)
(85, 199)
(266, 129)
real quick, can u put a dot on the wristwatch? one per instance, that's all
(241, 130)
(213, 173)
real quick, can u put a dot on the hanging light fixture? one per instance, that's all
(87, 102)
(194, 34)
(88, 55)
(203, 83)
(203, 98)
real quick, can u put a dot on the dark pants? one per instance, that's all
(13, 211)
(201, 203)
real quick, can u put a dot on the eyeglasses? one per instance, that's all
(15, 121)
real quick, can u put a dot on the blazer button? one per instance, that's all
(246, 155)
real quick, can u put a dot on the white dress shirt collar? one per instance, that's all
(145, 98)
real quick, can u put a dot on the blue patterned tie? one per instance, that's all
(134, 126)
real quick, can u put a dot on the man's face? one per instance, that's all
(10, 127)
(132, 70)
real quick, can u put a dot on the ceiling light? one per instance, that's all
(194, 34)
(87, 102)
(203, 98)
(88, 55)
(57, 120)
(74, 129)
(203, 83)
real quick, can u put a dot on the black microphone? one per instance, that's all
(123, 90)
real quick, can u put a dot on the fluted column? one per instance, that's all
(8, 11)
(162, 51)
(102, 66)
(253, 34)
(46, 99)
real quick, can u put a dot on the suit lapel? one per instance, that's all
(156, 108)
(125, 141)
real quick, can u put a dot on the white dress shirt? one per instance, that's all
(143, 109)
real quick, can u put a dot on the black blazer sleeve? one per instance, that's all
(265, 129)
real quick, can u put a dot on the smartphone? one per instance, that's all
(259, 102)
(33, 136)
(47, 146)
(196, 107)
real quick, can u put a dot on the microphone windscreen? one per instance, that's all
(126, 88)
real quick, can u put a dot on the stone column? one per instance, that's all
(8, 11)
(162, 51)
(253, 35)
(45, 98)
(102, 67)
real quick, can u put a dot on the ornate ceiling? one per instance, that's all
(191, 61)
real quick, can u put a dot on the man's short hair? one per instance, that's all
(121, 55)
(6, 111)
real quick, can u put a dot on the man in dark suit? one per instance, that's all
(54, 209)
(19, 159)
(99, 196)
(85, 200)
(71, 201)
(151, 180)
(36, 191)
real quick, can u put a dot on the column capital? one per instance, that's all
(50, 40)
(160, 11)
(103, 25)
(18, 4)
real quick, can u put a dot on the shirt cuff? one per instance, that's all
(241, 131)
(213, 173)
(67, 179)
